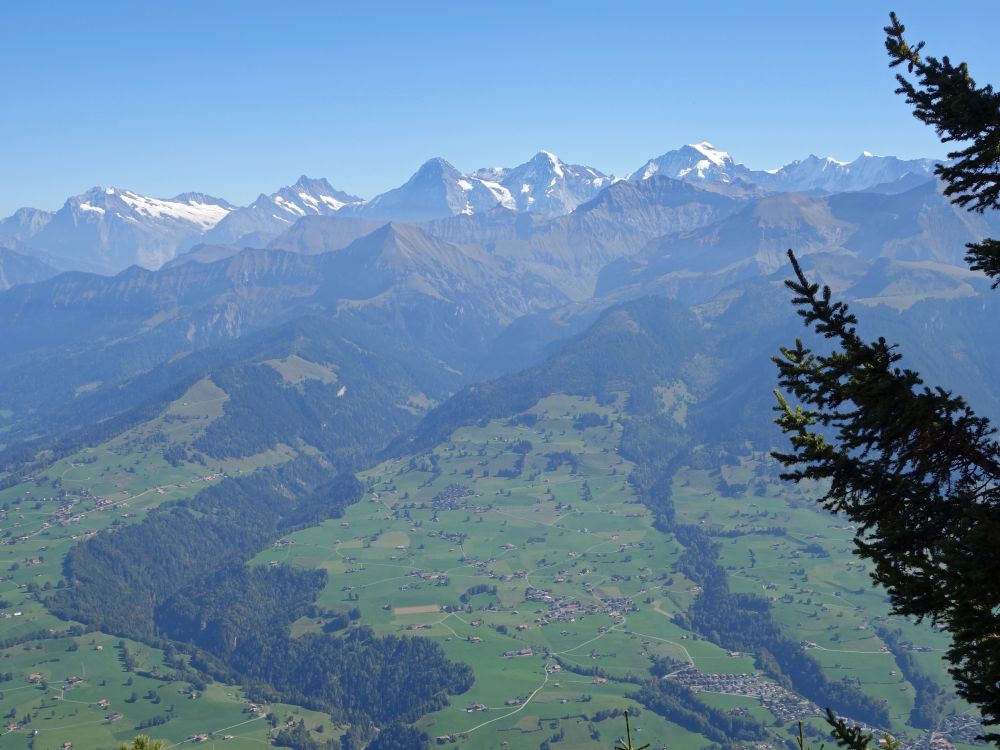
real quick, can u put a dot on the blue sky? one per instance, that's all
(238, 98)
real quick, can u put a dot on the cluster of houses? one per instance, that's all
(784, 704)
(454, 497)
(616, 606)
(437, 579)
(562, 609)
(962, 728)
(65, 514)
(790, 708)
(544, 596)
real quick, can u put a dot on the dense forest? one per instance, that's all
(395, 736)
(117, 580)
(181, 575)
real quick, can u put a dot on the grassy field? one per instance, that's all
(86, 695)
(819, 591)
(113, 483)
(466, 518)
(486, 512)
(518, 545)
(446, 527)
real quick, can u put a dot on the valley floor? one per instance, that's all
(518, 545)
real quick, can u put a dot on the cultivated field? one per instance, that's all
(547, 577)
(518, 545)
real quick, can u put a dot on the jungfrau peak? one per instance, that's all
(698, 162)
(702, 162)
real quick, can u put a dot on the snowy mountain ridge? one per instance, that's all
(703, 162)
(273, 213)
(547, 185)
(107, 229)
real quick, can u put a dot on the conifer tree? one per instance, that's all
(946, 96)
(913, 466)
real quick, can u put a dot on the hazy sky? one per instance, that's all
(239, 98)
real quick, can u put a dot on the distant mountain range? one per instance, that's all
(478, 291)
(107, 229)
(702, 162)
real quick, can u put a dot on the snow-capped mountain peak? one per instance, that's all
(308, 196)
(697, 162)
(438, 190)
(703, 162)
(830, 175)
(551, 160)
(546, 184)
(710, 152)
(199, 210)
(107, 228)
(271, 214)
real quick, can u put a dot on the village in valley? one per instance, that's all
(519, 545)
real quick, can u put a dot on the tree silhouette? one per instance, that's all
(913, 466)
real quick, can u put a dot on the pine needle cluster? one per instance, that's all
(945, 96)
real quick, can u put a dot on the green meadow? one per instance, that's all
(517, 544)
(116, 482)
(413, 563)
